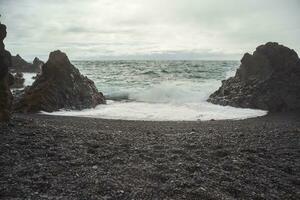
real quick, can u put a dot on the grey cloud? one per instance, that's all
(157, 29)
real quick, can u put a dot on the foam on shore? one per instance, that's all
(178, 95)
(163, 111)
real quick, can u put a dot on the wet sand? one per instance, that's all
(52, 157)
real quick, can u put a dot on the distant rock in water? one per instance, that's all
(6, 97)
(18, 80)
(21, 65)
(269, 80)
(37, 64)
(59, 86)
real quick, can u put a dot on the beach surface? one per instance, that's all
(58, 157)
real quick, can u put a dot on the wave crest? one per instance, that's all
(176, 92)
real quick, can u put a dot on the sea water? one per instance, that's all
(159, 90)
(29, 78)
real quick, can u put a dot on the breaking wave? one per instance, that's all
(160, 91)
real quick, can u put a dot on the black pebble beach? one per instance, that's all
(51, 157)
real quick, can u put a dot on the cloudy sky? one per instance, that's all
(148, 29)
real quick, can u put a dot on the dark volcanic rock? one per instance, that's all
(60, 85)
(5, 63)
(37, 64)
(18, 80)
(21, 65)
(269, 79)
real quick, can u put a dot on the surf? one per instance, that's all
(142, 90)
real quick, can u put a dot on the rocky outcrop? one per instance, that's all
(18, 80)
(59, 86)
(21, 65)
(6, 97)
(37, 64)
(269, 80)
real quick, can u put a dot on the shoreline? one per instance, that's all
(59, 157)
(134, 111)
(47, 116)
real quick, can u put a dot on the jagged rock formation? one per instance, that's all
(269, 79)
(6, 97)
(37, 64)
(60, 85)
(21, 65)
(18, 80)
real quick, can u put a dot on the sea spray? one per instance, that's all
(176, 92)
(160, 90)
(28, 78)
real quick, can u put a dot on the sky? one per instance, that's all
(148, 29)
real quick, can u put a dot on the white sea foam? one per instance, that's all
(28, 78)
(169, 101)
(175, 92)
(134, 93)
(163, 111)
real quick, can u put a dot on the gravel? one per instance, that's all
(54, 157)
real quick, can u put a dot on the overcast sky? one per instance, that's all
(148, 29)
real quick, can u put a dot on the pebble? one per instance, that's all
(95, 167)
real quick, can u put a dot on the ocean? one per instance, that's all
(158, 90)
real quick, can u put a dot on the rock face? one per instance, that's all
(21, 65)
(37, 64)
(60, 85)
(269, 80)
(18, 80)
(6, 97)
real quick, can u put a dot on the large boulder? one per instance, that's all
(6, 97)
(21, 65)
(269, 80)
(59, 86)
